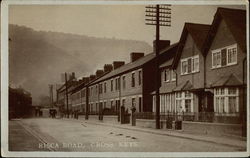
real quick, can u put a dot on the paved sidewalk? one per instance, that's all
(228, 141)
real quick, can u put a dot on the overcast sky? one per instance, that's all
(111, 21)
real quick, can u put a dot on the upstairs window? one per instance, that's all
(111, 85)
(118, 83)
(173, 74)
(124, 82)
(139, 77)
(133, 80)
(190, 65)
(166, 75)
(100, 88)
(224, 56)
(105, 87)
(232, 55)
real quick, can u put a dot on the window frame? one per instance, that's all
(181, 97)
(218, 97)
(167, 75)
(173, 74)
(124, 82)
(139, 77)
(111, 85)
(192, 59)
(218, 52)
(133, 79)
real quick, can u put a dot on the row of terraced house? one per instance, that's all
(203, 77)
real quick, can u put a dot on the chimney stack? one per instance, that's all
(108, 68)
(117, 64)
(85, 79)
(73, 75)
(162, 44)
(135, 56)
(92, 77)
(99, 73)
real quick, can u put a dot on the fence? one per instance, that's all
(193, 116)
(104, 112)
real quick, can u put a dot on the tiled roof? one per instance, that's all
(235, 19)
(198, 32)
(167, 63)
(185, 86)
(133, 65)
(230, 80)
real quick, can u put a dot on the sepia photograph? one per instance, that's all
(124, 78)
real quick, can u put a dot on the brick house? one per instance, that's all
(168, 83)
(189, 67)
(61, 93)
(129, 85)
(207, 77)
(78, 95)
(225, 50)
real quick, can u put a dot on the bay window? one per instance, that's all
(226, 100)
(184, 101)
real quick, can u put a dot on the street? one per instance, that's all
(72, 135)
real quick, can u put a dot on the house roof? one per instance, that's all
(235, 19)
(184, 86)
(198, 32)
(167, 63)
(83, 84)
(230, 80)
(133, 65)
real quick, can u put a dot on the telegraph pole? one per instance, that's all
(66, 91)
(159, 15)
(51, 94)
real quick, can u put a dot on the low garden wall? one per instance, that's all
(218, 129)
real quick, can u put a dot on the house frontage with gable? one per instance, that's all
(189, 67)
(226, 65)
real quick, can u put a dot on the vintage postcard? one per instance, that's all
(124, 78)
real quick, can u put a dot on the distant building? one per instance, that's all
(20, 103)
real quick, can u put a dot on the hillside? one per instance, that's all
(37, 58)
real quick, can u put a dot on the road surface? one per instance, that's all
(72, 135)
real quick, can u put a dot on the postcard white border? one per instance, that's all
(5, 79)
